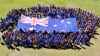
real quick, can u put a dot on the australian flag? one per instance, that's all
(47, 24)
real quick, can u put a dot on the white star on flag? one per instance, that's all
(68, 22)
(62, 21)
(55, 25)
(31, 29)
(63, 30)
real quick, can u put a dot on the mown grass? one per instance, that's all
(88, 5)
(8, 5)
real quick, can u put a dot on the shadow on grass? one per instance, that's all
(42, 46)
(54, 47)
(74, 47)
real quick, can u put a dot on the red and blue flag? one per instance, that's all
(47, 24)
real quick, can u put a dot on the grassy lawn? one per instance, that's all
(88, 5)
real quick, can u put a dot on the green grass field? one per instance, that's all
(88, 5)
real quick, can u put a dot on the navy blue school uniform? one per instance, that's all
(46, 40)
(63, 41)
(9, 42)
(25, 41)
(50, 41)
(21, 41)
(6, 42)
(69, 41)
(41, 40)
(56, 41)
(8, 37)
(15, 39)
(28, 41)
(25, 37)
(74, 40)
(53, 41)
(38, 40)
(82, 41)
(77, 40)
(11, 39)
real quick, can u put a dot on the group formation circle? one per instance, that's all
(86, 21)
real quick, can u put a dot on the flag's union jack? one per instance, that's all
(34, 20)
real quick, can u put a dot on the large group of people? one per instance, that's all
(31, 38)
(86, 21)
